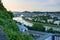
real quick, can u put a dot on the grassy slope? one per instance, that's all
(9, 26)
(45, 24)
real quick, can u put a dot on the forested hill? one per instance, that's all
(9, 26)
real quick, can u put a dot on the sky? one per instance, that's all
(32, 5)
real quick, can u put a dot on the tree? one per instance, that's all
(50, 30)
(37, 27)
(55, 18)
(45, 17)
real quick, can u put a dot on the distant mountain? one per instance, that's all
(36, 12)
(26, 12)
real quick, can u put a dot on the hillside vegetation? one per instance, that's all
(9, 26)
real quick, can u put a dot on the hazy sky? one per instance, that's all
(32, 5)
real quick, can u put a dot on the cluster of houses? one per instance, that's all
(35, 34)
(51, 20)
(57, 22)
(22, 21)
(51, 14)
(39, 35)
(26, 23)
(54, 28)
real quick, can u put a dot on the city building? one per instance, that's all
(57, 22)
(50, 20)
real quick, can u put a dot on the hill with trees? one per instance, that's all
(9, 26)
